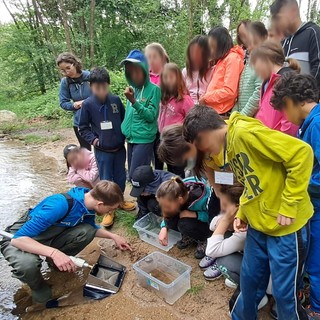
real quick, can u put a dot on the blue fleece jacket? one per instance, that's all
(310, 132)
(93, 113)
(72, 90)
(52, 209)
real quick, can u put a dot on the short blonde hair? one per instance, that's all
(160, 49)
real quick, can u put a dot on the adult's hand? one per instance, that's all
(77, 105)
(62, 261)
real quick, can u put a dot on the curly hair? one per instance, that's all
(300, 88)
(68, 57)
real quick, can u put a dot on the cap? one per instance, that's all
(135, 56)
(68, 148)
(141, 177)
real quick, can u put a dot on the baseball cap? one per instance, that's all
(141, 177)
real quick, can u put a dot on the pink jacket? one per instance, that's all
(270, 117)
(174, 111)
(155, 78)
(195, 86)
(90, 174)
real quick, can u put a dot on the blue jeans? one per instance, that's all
(313, 259)
(139, 155)
(283, 257)
(111, 166)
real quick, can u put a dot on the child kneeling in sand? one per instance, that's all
(184, 208)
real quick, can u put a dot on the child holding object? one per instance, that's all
(198, 72)
(270, 64)
(82, 166)
(184, 208)
(276, 222)
(175, 103)
(297, 96)
(157, 57)
(140, 124)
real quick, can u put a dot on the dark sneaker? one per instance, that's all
(273, 311)
(212, 273)
(185, 242)
(206, 262)
(201, 250)
(312, 314)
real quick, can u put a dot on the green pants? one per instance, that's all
(26, 266)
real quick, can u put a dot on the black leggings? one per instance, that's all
(83, 143)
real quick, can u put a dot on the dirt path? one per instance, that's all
(206, 300)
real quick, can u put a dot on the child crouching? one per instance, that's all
(184, 208)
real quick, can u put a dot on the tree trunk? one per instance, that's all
(64, 21)
(83, 47)
(91, 30)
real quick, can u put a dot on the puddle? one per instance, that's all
(26, 177)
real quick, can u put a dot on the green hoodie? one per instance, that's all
(140, 124)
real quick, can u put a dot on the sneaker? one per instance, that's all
(264, 301)
(302, 297)
(273, 311)
(185, 242)
(201, 250)
(312, 314)
(128, 206)
(212, 273)
(108, 219)
(230, 284)
(206, 262)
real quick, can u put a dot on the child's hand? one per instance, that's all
(129, 93)
(121, 243)
(284, 221)
(239, 225)
(230, 213)
(163, 237)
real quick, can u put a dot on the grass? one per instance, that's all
(194, 290)
(37, 139)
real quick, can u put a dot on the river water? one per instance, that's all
(26, 177)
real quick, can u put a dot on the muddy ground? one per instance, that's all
(205, 300)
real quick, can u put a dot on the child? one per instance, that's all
(274, 209)
(250, 83)
(60, 226)
(157, 57)
(175, 103)
(145, 183)
(184, 207)
(270, 64)
(140, 123)
(225, 253)
(243, 34)
(223, 88)
(198, 72)
(82, 166)
(100, 125)
(297, 96)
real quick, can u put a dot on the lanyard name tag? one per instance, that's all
(106, 125)
(223, 177)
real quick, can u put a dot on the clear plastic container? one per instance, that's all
(148, 228)
(167, 277)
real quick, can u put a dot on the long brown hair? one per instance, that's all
(172, 189)
(272, 51)
(69, 57)
(179, 91)
(202, 42)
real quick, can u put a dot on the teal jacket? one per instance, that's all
(249, 92)
(140, 124)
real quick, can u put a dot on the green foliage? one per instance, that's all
(126, 220)
(38, 139)
(194, 290)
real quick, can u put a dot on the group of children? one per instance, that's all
(250, 206)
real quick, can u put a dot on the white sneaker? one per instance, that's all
(230, 284)
(264, 301)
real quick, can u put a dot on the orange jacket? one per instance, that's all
(222, 91)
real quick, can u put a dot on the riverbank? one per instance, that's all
(204, 300)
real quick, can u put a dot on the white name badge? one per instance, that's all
(106, 125)
(223, 177)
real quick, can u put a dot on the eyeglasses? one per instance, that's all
(67, 69)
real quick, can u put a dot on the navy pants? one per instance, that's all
(313, 259)
(111, 166)
(139, 155)
(284, 258)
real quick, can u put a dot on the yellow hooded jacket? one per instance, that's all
(275, 169)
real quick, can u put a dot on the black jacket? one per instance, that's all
(304, 46)
(93, 112)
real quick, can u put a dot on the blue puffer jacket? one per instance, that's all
(52, 209)
(72, 90)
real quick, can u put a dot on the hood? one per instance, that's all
(237, 50)
(137, 57)
(304, 27)
(78, 193)
(85, 75)
(315, 113)
(160, 176)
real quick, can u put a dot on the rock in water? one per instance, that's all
(7, 116)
